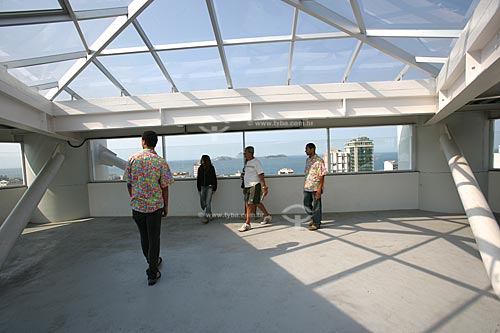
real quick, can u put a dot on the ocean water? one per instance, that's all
(12, 172)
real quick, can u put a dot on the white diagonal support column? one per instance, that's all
(482, 221)
(67, 8)
(220, 42)
(330, 17)
(351, 61)
(119, 24)
(111, 77)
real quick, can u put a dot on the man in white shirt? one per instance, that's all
(255, 186)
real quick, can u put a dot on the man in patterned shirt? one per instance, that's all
(148, 176)
(313, 186)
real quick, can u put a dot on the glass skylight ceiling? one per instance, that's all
(218, 44)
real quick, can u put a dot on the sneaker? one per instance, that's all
(267, 219)
(245, 227)
(204, 220)
(310, 223)
(313, 228)
(152, 281)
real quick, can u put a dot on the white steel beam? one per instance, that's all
(329, 17)
(357, 14)
(292, 45)
(401, 74)
(474, 62)
(151, 49)
(44, 60)
(352, 60)
(65, 4)
(110, 77)
(435, 60)
(73, 94)
(119, 24)
(220, 43)
(57, 15)
(413, 33)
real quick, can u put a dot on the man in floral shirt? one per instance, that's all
(148, 176)
(313, 186)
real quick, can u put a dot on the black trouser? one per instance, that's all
(149, 225)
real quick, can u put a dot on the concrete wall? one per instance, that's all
(67, 196)
(437, 189)
(342, 193)
(8, 199)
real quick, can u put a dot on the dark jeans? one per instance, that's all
(313, 207)
(149, 225)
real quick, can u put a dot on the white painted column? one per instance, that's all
(482, 222)
(20, 215)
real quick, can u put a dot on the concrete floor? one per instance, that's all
(394, 271)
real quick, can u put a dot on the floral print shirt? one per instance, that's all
(315, 168)
(148, 173)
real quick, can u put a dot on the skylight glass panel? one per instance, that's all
(92, 29)
(91, 83)
(258, 65)
(416, 74)
(321, 61)
(195, 69)
(425, 47)
(258, 18)
(24, 5)
(138, 73)
(168, 22)
(307, 24)
(341, 7)
(374, 65)
(63, 96)
(98, 4)
(127, 38)
(35, 75)
(416, 14)
(29, 41)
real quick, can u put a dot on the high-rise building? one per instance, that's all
(339, 161)
(390, 165)
(361, 156)
(195, 169)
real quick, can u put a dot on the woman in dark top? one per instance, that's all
(207, 184)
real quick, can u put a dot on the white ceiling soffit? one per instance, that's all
(474, 63)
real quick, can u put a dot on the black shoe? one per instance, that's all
(160, 260)
(152, 281)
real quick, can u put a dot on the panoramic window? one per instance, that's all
(282, 152)
(496, 144)
(365, 149)
(109, 156)
(183, 153)
(11, 170)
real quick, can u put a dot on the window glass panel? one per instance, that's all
(374, 65)
(341, 7)
(258, 65)
(199, 69)
(29, 41)
(224, 149)
(138, 73)
(91, 83)
(127, 38)
(109, 156)
(63, 96)
(416, 74)
(364, 149)
(411, 14)
(168, 22)
(496, 144)
(40, 74)
(98, 4)
(283, 151)
(321, 61)
(92, 29)
(11, 165)
(425, 47)
(308, 24)
(258, 18)
(22, 5)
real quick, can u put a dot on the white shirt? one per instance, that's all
(253, 169)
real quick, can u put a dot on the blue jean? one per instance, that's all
(206, 200)
(313, 207)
